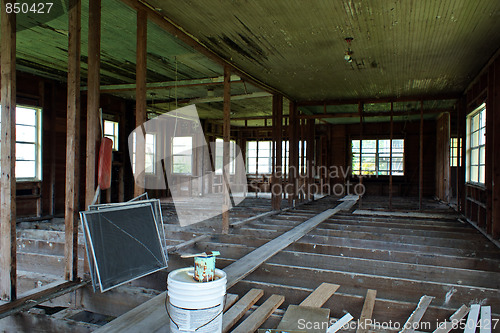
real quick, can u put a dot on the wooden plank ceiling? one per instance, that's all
(400, 49)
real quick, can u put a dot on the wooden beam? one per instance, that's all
(380, 100)
(293, 154)
(371, 114)
(218, 80)
(72, 142)
(45, 295)
(390, 157)
(237, 311)
(276, 184)
(93, 97)
(367, 311)
(360, 111)
(226, 132)
(221, 98)
(310, 125)
(495, 214)
(320, 295)
(259, 316)
(8, 263)
(140, 96)
(169, 26)
(421, 158)
(416, 316)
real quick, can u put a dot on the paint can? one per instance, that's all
(193, 306)
(204, 268)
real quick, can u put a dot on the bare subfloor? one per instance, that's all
(401, 256)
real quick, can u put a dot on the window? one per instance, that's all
(150, 153)
(372, 157)
(262, 162)
(28, 143)
(219, 149)
(111, 131)
(182, 154)
(455, 147)
(476, 140)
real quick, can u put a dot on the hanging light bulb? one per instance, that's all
(348, 53)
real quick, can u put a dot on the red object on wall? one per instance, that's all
(105, 159)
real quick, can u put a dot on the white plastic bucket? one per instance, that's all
(195, 306)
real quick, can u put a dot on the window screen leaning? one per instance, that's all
(124, 243)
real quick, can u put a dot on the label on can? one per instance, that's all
(207, 320)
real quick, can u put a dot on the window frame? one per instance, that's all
(38, 158)
(177, 155)
(134, 153)
(377, 161)
(116, 132)
(480, 147)
(219, 156)
(455, 147)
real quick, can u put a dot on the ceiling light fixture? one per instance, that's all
(348, 53)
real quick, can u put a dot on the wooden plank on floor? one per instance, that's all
(450, 216)
(237, 311)
(183, 245)
(246, 265)
(297, 314)
(470, 326)
(366, 313)
(259, 316)
(447, 326)
(416, 316)
(229, 301)
(340, 323)
(320, 295)
(485, 323)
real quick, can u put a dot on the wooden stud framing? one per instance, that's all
(360, 111)
(293, 154)
(390, 157)
(226, 131)
(72, 142)
(495, 162)
(421, 158)
(310, 126)
(93, 96)
(8, 262)
(140, 94)
(276, 185)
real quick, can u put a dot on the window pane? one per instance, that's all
(355, 146)
(384, 146)
(25, 151)
(182, 145)
(25, 116)
(482, 154)
(149, 163)
(474, 173)
(481, 174)
(474, 160)
(182, 164)
(369, 146)
(25, 169)
(26, 133)
(475, 139)
(482, 137)
(475, 122)
(398, 146)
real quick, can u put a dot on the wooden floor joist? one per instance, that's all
(367, 311)
(251, 261)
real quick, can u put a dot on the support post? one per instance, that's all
(421, 158)
(360, 111)
(276, 185)
(495, 165)
(72, 142)
(93, 96)
(8, 262)
(293, 153)
(390, 156)
(140, 96)
(310, 125)
(226, 131)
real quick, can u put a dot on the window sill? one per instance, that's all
(479, 186)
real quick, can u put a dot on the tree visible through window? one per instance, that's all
(28, 143)
(182, 154)
(476, 142)
(372, 157)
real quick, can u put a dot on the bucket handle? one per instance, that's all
(211, 320)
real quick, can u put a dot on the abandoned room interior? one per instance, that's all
(339, 159)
